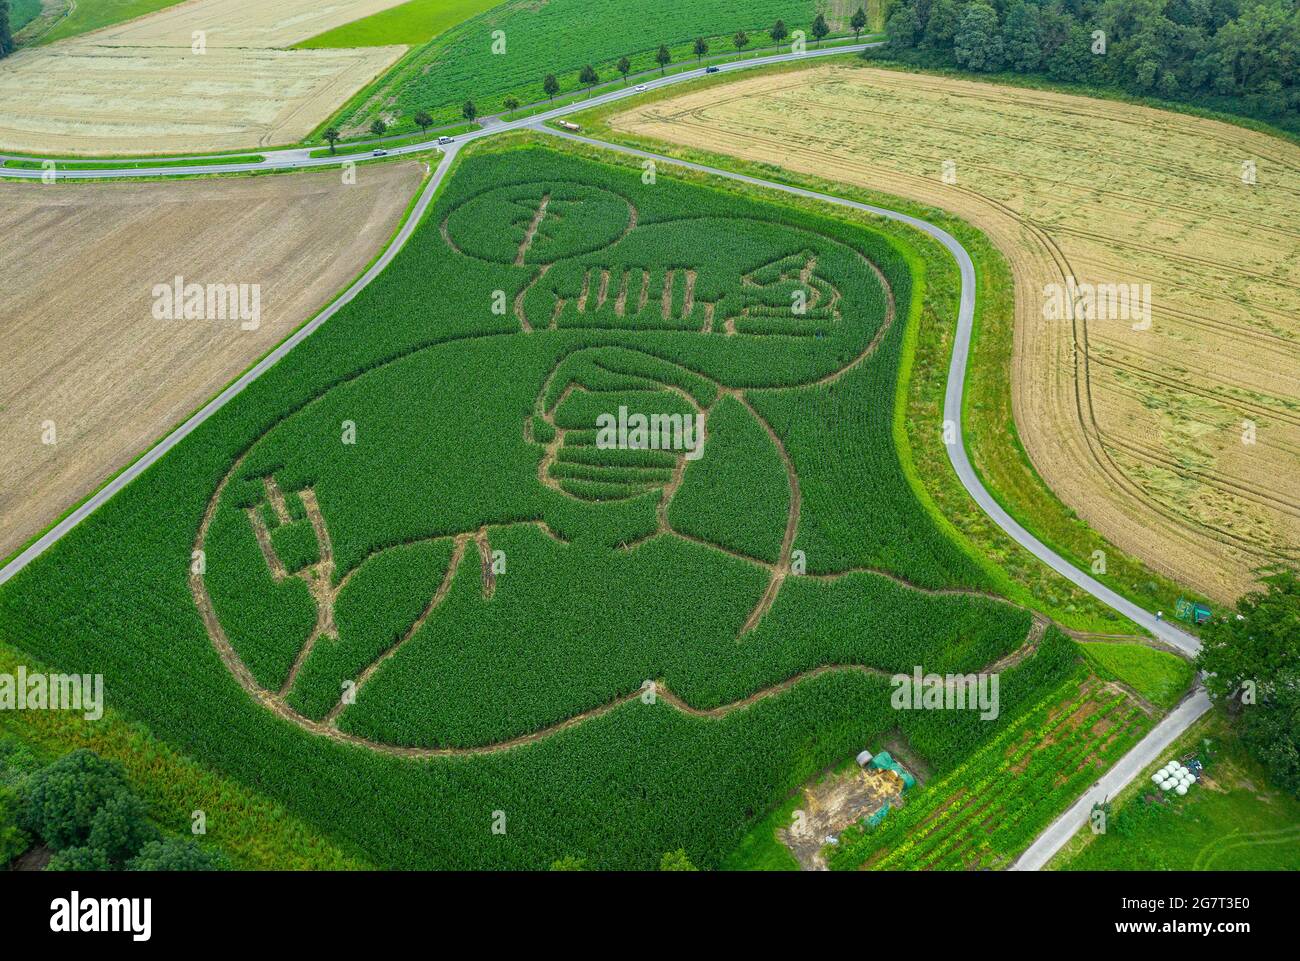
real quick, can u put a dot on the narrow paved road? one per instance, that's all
(1149, 749)
(1064, 827)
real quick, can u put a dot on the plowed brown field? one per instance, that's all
(83, 352)
(1179, 442)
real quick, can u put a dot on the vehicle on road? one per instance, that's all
(712, 69)
(641, 88)
(443, 140)
(380, 153)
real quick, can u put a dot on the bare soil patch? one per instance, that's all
(833, 804)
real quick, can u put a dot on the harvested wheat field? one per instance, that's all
(144, 87)
(1178, 440)
(89, 366)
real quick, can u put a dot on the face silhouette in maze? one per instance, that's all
(541, 484)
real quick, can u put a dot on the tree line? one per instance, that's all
(1240, 55)
(1251, 660)
(588, 76)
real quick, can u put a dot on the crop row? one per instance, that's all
(990, 807)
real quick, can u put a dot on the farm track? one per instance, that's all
(1050, 841)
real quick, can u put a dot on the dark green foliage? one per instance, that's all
(820, 28)
(858, 21)
(978, 43)
(120, 827)
(1020, 39)
(175, 854)
(1135, 814)
(1242, 59)
(61, 800)
(904, 27)
(13, 839)
(6, 30)
(79, 859)
(1252, 658)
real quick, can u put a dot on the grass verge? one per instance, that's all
(1232, 821)
(1159, 676)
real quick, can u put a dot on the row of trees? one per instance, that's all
(83, 810)
(1172, 49)
(588, 76)
(663, 56)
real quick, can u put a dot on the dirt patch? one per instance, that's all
(84, 355)
(1138, 430)
(902, 752)
(34, 858)
(834, 803)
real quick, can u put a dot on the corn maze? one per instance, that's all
(586, 511)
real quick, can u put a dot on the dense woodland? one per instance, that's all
(1237, 55)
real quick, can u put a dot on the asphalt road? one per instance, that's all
(1113, 781)
(1064, 827)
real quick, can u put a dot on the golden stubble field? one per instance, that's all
(87, 364)
(141, 87)
(1178, 442)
